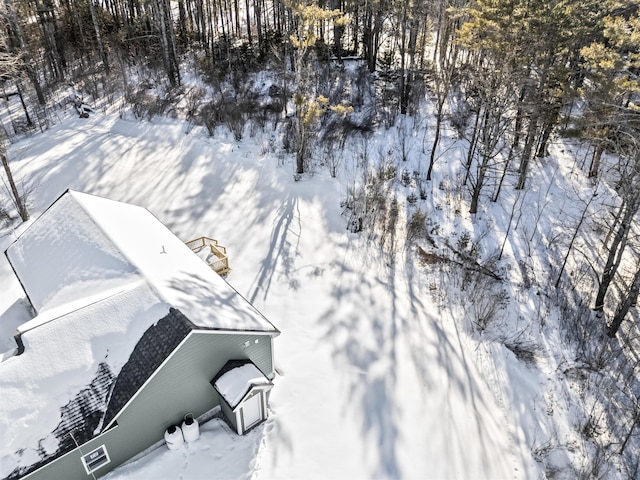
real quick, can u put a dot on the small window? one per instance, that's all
(95, 459)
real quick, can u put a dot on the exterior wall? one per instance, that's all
(179, 387)
(70, 465)
(229, 415)
(236, 419)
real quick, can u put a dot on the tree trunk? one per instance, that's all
(22, 210)
(374, 20)
(237, 16)
(436, 140)
(31, 72)
(367, 37)
(246, 6)
(182, 23)
(532, 130)
(78, 19)
(595, 162)
(515, 144)
(172, 41)
(527, 150)
(472, 147)
(487, 147)
(506, 235)
(615, 253)
(573, 238)
(257, 13)
(517, 128)
(24, 105)
(403, 56)
(482, 172)
(624, 306)
(549, 125)
(96, 28)
(338, 32)
(167, 40)
(53, 52)
(504, 173)
(301, 138)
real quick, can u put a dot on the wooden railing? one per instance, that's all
(221, 262)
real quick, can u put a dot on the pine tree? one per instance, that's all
(608, 64)
(309, 19)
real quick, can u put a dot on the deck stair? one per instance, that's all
(211, 252)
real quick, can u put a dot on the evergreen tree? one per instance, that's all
(309, 20)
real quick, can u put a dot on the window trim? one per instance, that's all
(88, 463)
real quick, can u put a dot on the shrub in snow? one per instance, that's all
(5, 218)
(406, 178)
(416, 225)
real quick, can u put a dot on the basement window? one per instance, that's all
(95, 459)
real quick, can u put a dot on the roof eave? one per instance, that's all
(261, 386)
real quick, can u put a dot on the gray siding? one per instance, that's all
(179, 387)
(70, 465)
(229, 415)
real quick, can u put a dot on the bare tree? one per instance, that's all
(575, 235)
(443, 75)
(23, 51)
(496, 96)
(629, 190)
(96, 27)
(629, 299)
(9, 65)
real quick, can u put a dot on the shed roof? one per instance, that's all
(236, 379)
(116, 292)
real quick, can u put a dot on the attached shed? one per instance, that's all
(244, 392)
(130, 328)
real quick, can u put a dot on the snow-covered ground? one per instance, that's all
(377, 377)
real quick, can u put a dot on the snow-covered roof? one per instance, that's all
(85, 247)
(100, 275)
(64, 255)
(62, 358)
(236, 382)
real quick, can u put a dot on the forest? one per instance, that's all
(509, 77)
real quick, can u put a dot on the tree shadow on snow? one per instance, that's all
(280, 249)
(371, 323)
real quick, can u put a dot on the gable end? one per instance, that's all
(152, 349)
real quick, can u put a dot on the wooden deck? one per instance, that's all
(211, 252)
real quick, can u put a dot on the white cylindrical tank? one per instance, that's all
(190, 428)
(173, 437)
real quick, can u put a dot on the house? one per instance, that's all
(132, 331)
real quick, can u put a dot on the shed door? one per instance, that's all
(251, 411)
